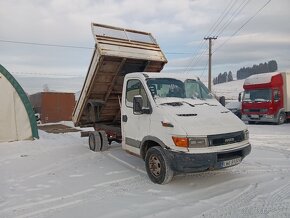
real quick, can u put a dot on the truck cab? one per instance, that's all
(176, 125)
(265, 98)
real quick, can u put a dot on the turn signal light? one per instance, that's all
(180, 141)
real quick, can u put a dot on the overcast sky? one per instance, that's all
(178, 26)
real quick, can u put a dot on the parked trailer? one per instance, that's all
(117, 52)
(172, 121)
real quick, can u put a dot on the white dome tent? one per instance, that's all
(17, 119)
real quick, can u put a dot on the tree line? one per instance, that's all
(245, 72)
(223, 78)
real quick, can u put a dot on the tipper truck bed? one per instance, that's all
(117, 52)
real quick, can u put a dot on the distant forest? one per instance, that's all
(223, 78)
(245, 72)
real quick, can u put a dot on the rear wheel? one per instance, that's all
(158, 166)
(104, 140)
(95, 143)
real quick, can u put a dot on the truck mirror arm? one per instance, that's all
(146, 110)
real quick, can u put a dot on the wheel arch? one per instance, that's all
(281, 111)
(148, 142)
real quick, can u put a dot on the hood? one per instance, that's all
(199, 117)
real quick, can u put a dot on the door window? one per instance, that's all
(135, 87)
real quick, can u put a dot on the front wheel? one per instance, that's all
(158, 166)
(281, 118)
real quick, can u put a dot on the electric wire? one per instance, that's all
(222, 17)
(243, 25)
(44, 44)
(72, 46)
(234, 15)
(196, 57)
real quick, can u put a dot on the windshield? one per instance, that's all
(258, 95)
(167, 87)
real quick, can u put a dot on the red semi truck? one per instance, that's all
(266, 98)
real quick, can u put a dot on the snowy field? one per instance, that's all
(230, 90)
(58, 176)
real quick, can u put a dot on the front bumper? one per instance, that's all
(259, 118)
(188, 163)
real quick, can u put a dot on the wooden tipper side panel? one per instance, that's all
(113, 58)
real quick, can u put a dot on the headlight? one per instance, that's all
(198, 142)
(246, 134)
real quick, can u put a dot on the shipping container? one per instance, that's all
(53, 106)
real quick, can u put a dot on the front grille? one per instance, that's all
(228, 138)
(255, 110)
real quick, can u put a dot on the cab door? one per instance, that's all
(278, 101)
(134, 126)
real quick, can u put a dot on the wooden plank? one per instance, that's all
(134, 53)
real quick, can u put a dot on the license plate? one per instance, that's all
(255, 116)
(228, 163)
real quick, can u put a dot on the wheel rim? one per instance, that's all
(154, 165)
(281, 118)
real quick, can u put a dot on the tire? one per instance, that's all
(95, 141)
(104, 140)
(281, 118)
(158, 166)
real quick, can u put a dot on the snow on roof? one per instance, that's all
(260, 78)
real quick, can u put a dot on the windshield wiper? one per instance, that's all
(206, 104)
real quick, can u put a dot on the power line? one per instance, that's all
(227, 9)
(241, 27)
(45, 44)
(222, 16)
(234, 15)
(44, 74)
(72, 46)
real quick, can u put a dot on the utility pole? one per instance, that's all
(209, 60)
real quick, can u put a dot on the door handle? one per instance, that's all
(124, 118)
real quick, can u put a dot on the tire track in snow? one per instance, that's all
(52, 204)
(250, 203)
(276, 204)
(55, 166)
(126, 163)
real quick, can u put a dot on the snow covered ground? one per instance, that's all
(230, 90)
(58, 176)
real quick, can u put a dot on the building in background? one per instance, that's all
(53, 106)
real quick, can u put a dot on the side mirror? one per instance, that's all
(137, 104)
(222, 100)
(240, 97)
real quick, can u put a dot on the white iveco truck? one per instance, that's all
(171, 121)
